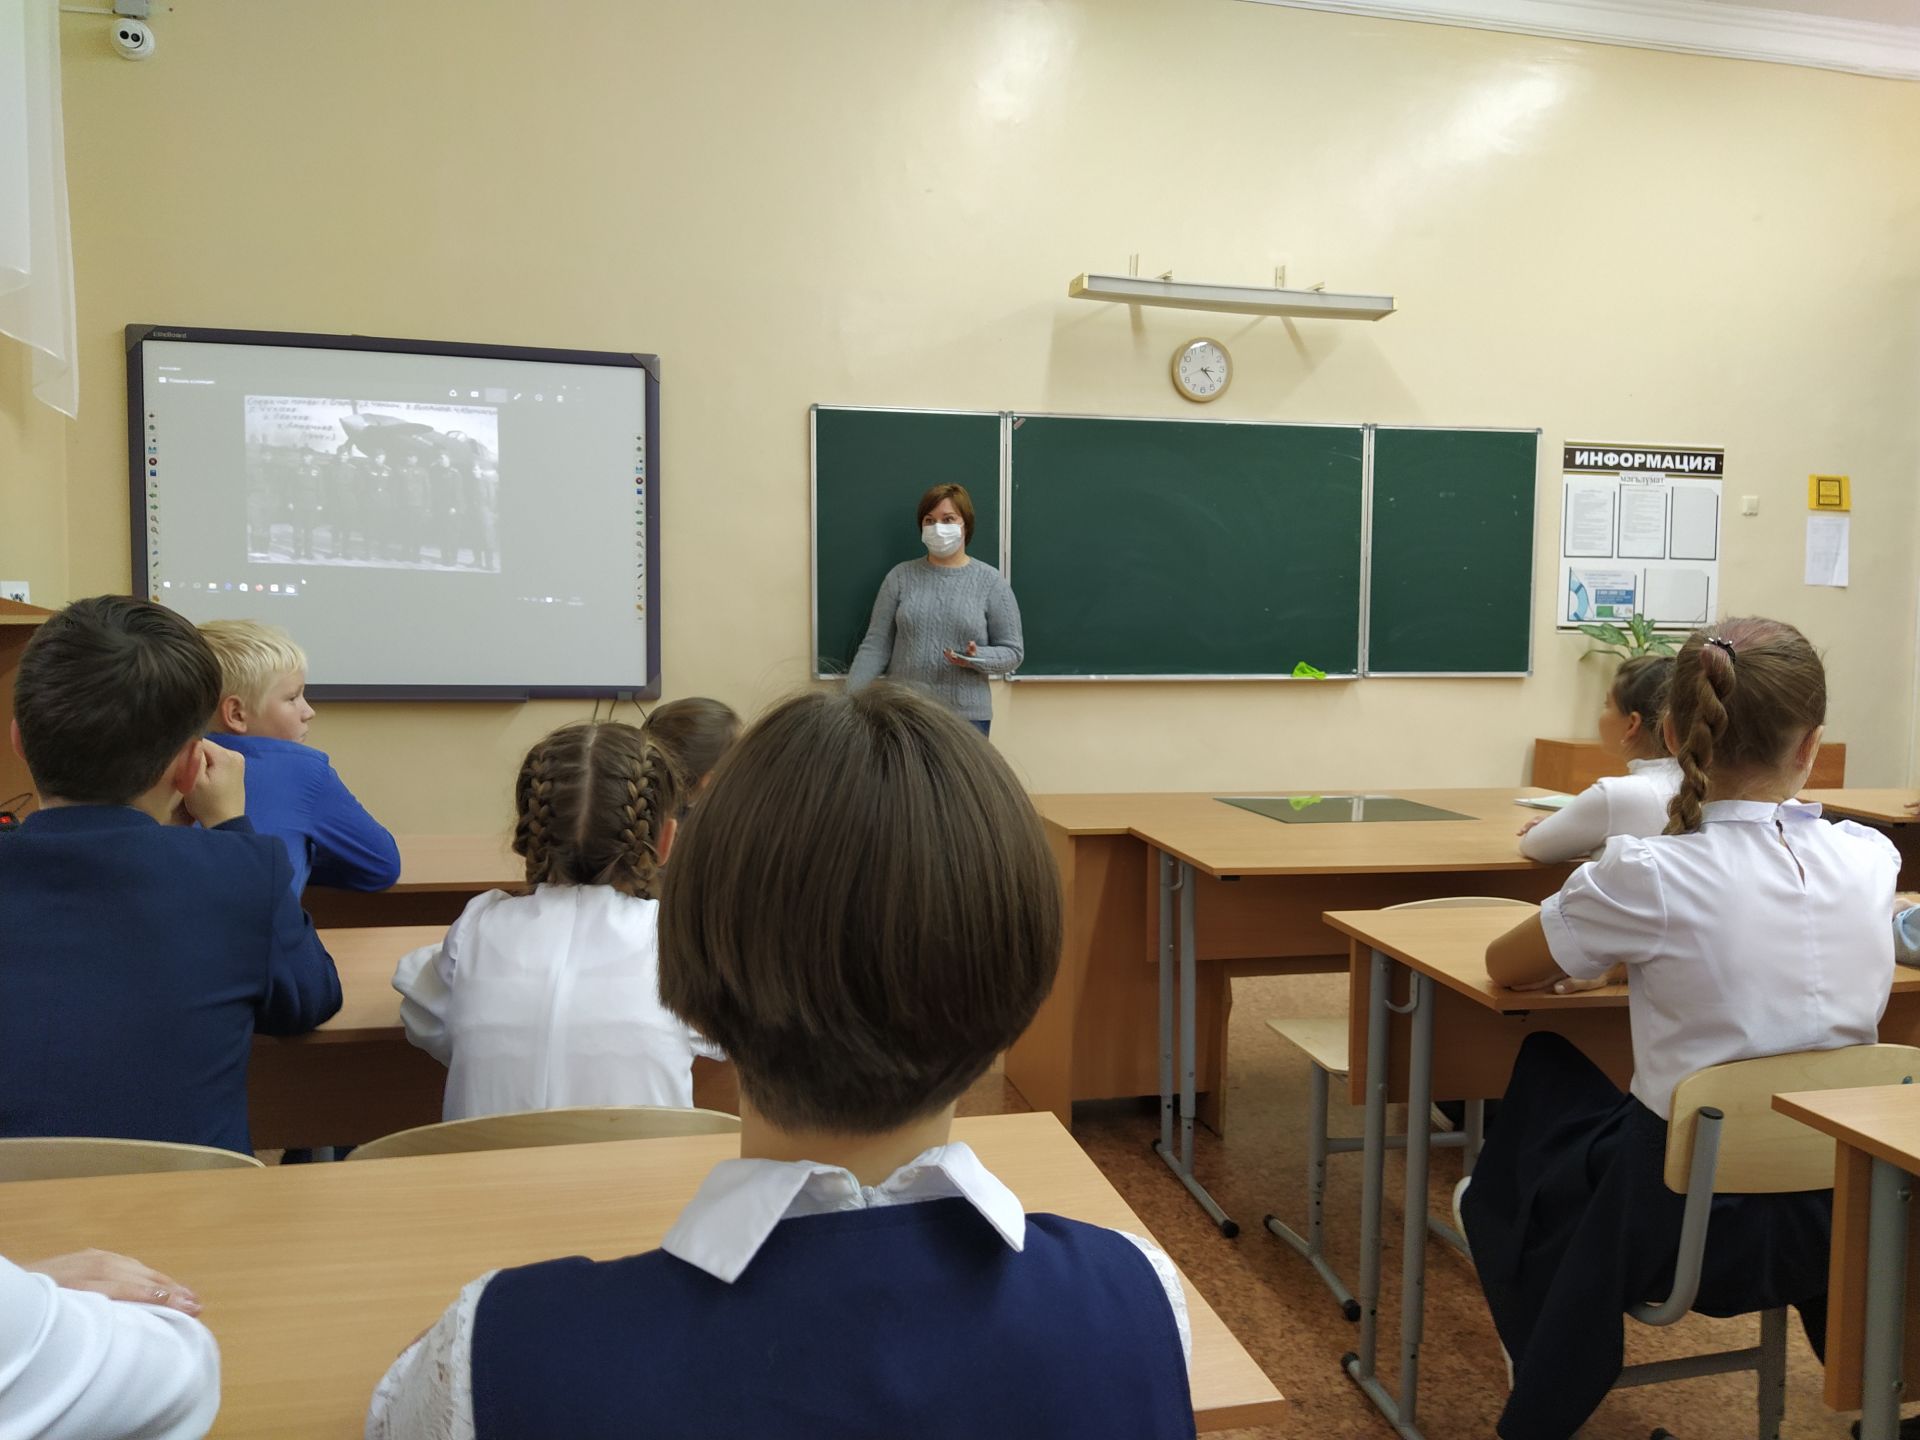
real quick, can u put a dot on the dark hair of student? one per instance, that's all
(593, 797)
(108, 693)
(862, 910)
(962, 501)
(1640, 688)
(695, 733)
(1744, 695)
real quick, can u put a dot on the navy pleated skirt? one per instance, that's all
(1571, 1222)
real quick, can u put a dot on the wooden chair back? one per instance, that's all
(1763, 1152)
(63, 1157)
(526, 1129)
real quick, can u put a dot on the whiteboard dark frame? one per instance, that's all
(648, 687)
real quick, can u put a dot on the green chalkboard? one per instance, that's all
(1185, 548)
(1452, 552)
(870, 468)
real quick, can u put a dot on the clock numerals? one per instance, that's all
(1202, 370)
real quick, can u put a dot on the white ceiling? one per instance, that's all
(1874, 12)
(1869, 37)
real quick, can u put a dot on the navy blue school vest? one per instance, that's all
(908, 1320)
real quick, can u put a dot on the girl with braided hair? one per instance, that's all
(1751, 927)
(552, 999)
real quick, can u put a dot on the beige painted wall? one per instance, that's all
(881, 201)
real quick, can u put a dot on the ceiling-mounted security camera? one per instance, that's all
(133, 39)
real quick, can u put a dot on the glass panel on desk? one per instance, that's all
(1339, 809)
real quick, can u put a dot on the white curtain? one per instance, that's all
(36, 249)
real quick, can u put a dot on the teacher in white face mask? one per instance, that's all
(944, 623)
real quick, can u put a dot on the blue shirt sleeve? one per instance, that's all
(351, 849)
(303, 988)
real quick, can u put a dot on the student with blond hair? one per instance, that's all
(293, 791)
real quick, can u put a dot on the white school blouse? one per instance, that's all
(1763, 932)
(549, 1000)
(1631, 804)
(427, 1394)
(77, 1366)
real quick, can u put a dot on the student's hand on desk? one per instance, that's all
(1529, 825)
(972, 649)
(220, 794)
(117, 1278)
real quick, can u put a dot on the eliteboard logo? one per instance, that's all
(168, 335)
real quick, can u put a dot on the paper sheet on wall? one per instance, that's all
(1827, 537)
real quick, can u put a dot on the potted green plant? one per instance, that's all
(1639, 638)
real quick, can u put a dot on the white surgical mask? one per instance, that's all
(942, 540)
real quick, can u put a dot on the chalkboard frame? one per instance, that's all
(1003, 491)
(1367, 672)
(1185, 676)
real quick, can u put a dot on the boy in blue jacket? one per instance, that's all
(292, 791)
(140, 955)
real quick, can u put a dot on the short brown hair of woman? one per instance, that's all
(695, 733)
(1640, 688)
(593, 798)
(1745, 693)
(109, 691)
(862, 911)
(962, 501)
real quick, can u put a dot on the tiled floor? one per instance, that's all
(1274, 1303)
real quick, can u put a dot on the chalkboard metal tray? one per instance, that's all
(1339, 809)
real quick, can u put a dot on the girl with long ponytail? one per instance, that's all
(552, 999)
(1751, 927)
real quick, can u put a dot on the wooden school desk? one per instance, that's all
(439, 874)
(1885, 810)
(1454, 1036)
(1258, 887)
(1870, 1346)
(356, 1078)
(316, 1276)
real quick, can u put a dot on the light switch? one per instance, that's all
(1749, 504)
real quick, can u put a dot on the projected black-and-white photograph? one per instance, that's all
(388, 485)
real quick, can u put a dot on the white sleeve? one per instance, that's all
(77, 1366)
(424, 998)
(427, 1394)
(1612, 911)
(1574, 831)
(1906, 936)
(424, 978)
(1169, 1277)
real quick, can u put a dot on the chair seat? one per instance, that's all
(1322, 1037)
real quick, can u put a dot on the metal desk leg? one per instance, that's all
(1413, 1272)
(1167, 890)
(1361, 1368)
(1183, 1009)
(1881, 1382)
